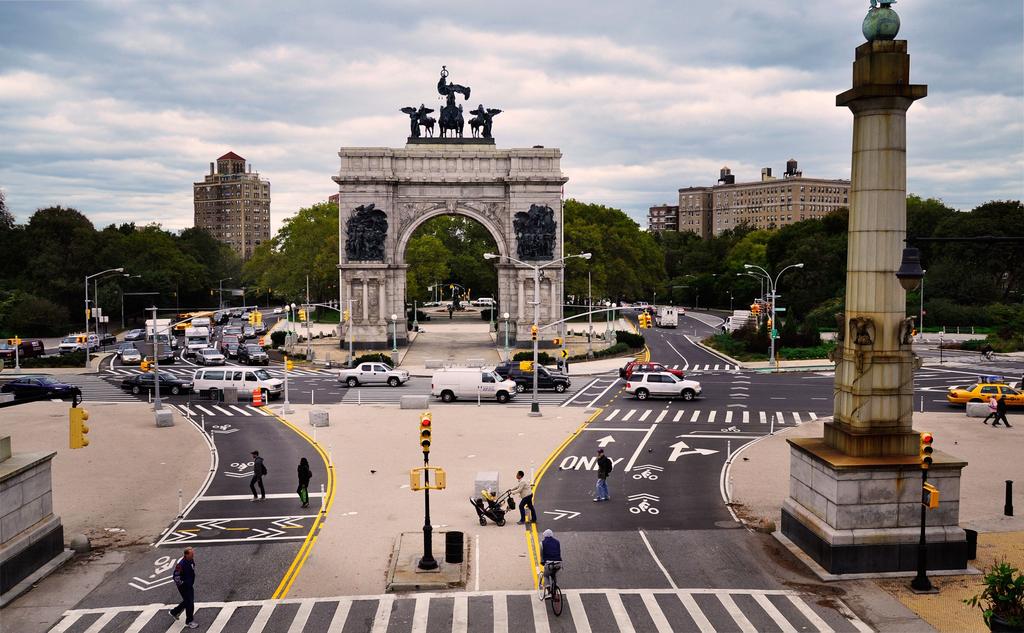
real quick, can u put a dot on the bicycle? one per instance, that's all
(552, 592)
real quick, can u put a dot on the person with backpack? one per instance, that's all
(184, 578)
(258, 471)
(604, 468)
(305, 474)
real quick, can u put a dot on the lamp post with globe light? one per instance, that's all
(773, 295)
(534, 405)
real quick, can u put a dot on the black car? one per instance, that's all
(168, 383)
(252, 355)
(107, 339)
(40, 388)
(546, 379)
(166, 356)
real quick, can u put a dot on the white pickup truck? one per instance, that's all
(373, 374)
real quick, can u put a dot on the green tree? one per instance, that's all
(427, 258)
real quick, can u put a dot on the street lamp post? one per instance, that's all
(590, 319)
(87, 278)
(508, 353)
(534, 405)
(773, 285)
(394, 340)
(156, 364)
(220, 291)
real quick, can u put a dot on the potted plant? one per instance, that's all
(1002, 601)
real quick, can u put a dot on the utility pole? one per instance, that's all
(156, 364)
(309, 347)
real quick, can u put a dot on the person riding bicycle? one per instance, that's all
(987, 351)
(550, 556)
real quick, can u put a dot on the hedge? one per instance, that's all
(542, 357)
(373, 358)
(74, 359)
(634, 341)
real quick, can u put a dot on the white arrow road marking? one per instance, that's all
(679, 449)
(144, 585)
(605, 441)
(228, 432)
(237, 475)
(178, 536)
(288, 522)
(562, 514)
(272, 532)
(642, 496)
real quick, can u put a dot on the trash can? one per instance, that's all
(453, 547)
(972, 544)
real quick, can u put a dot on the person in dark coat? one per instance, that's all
(258, 470)
(184, 579)
(604, 468)
(305, 474)
(1001, 413)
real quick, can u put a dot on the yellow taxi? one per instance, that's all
(982, 391)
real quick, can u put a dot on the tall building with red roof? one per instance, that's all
(233, 204)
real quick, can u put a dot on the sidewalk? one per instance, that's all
(759, 482)
(121, 491)
(373, 503)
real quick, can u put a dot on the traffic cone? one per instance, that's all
(257, 398)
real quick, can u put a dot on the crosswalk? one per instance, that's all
(708, 416)
(194, 410)
(706, 367)
(389, 395)
(584, 611)
(189, 371)
(96, 388)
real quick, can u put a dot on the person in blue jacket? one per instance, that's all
(550, 557)
(184, 579)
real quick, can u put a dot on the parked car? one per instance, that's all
(373, 374)
(451, 383)
(546, 379)
(663, 384)
(981, 392)
(135, 335)
(130, 355)
(214, 381)
(638, 367)
(107, 339)
(40, 387)
(28, 348)
(252, 354)
(209, 356)
(169, 383)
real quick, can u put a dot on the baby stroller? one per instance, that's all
(492, 507)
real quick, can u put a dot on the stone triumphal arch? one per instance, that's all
(386, 193)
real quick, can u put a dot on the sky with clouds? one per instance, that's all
(115, 108)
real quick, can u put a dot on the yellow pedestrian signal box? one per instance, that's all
(926, 450)
(931, 496)
(526, 365)
(437, 481)
(302, 315)
(14, 341)
(426, 421)
(77, 429)
(556, 342)
(145, 365)
(288, 364)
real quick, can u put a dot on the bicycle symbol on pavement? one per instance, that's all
(161, 566)
(646, 503)
(731, 429)
(647, 472)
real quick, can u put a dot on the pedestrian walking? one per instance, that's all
(184, 579)
(1001, 413)
(258, 471)
(604, 468)
(305, 474)
(524, 490)
(993, 408)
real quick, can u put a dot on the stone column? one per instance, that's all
(874, 373)
(521, 283)
(366, 300)
(855, 494)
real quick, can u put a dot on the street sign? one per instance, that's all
(780, 309)
(775, 333)
(565, 353)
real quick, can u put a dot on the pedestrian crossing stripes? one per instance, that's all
(584, 611)
(705, 367)
(97, 389)
(712, 416)
(389, 395)
(192, 409)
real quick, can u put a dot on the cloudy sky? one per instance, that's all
(115, 108)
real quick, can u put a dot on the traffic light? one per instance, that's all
(288, 364)
(533, 332)
(145, 365)
(78, 430)
(344, 316)
(425, 421)
(259, 317)
(252, 318)
(302, 314)
(557, 342)
(645, 320)
(926, 450)
(526, 365)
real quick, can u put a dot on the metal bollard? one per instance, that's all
(922, 404)
(1008, 506)
(728, 450)
(359, 397)
(312, 397)
(323, 498)
(180, 502)
(772, 431)
(478, 396)
(202, 420)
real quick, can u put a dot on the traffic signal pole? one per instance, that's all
(428, 561)
(921, 581)
(156, 363)
(534, 405)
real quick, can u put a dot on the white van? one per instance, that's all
(451, 383)
(245, 380)
(78, 342)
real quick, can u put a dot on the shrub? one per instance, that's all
(485, 314)
(634, 341)
(277, 338)
(805, 353)
(373, 358)
(74, 359)
(542, 357)
(29, 315)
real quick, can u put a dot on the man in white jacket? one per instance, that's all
(524, 490)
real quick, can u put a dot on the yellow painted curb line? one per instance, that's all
(532, 540)
(314, 532)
